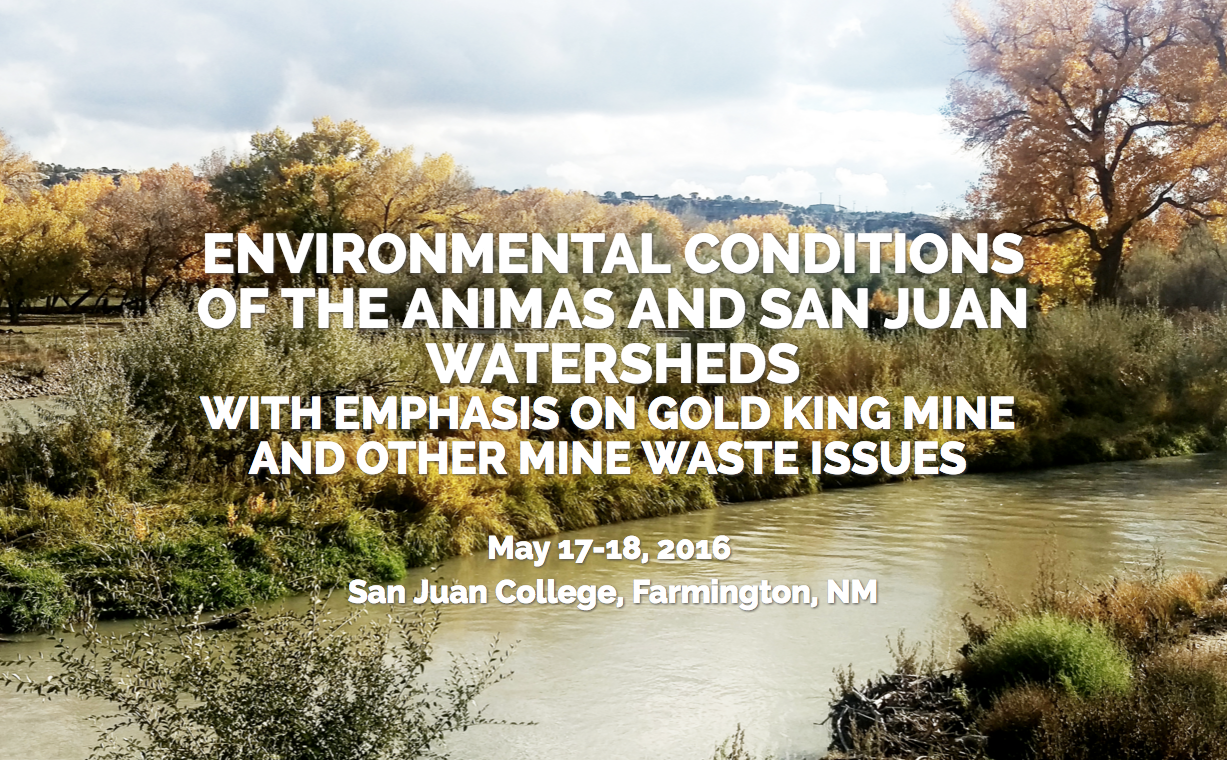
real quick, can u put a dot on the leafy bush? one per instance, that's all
(99, 440)
(293, 685)
(1193, 277)
(1108, 362)
(1049, 650)
(1015, 720)
(1177, 711)
(174, 359)
(32, 595)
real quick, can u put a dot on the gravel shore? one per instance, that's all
(16, 386)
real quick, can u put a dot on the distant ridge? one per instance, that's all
(58, 174)
(723, 209)
(821, 215)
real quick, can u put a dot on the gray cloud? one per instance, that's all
(154, 82)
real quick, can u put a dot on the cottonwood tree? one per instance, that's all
(550, 212)
(17, 171)
(150, 232)
(298, 184)
(400, 195)
(44, 239)
(336, 178)
(1102, 122)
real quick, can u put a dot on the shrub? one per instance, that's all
(174, 359)
(1192, 277)
(32, 596)
(1049, 650)
(301, 685)
(1178, 711)
(1015, 720)
(1104, 361)
(100, 441)
(1142, 614)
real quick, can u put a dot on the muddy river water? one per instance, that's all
(649, 681)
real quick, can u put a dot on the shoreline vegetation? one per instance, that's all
(1132, 667)
(127, 504)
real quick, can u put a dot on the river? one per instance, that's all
(15, 414)
(673, 681)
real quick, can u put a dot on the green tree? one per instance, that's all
(298, 184)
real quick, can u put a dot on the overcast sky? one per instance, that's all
(786, 100)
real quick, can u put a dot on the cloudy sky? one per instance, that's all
(787, 100)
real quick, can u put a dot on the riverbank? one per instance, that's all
(1128, 668)
(33, 353)
(15, 387)
(226, 546)
(132, 505)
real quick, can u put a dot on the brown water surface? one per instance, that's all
(673, 681)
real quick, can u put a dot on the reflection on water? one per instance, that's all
(643, 682)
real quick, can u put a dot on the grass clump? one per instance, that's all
(32, 595)
(1049, 650)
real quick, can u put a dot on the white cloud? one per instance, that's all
(685, 187)
(861, 185)
(583, 96)
(780, 147)
(573, 176)
(790, 186)
(844, 30)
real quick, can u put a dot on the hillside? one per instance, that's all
(821, 215)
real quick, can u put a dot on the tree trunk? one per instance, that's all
(77, 303)
(1108, 271)
(143, 306)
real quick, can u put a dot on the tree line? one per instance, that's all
(1102, 125)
